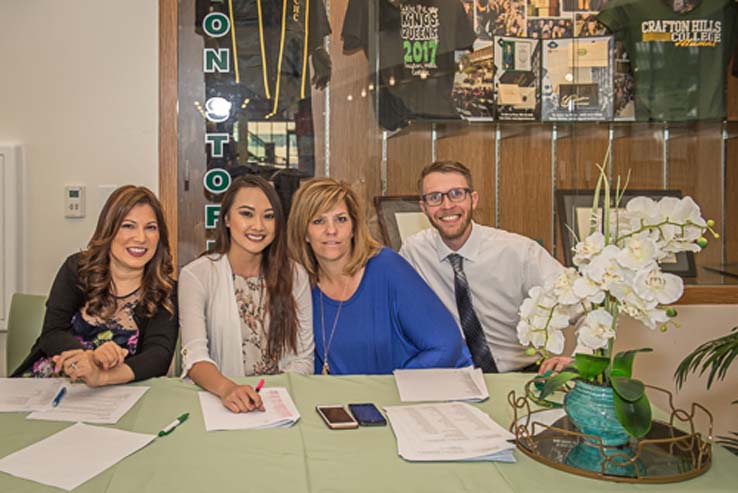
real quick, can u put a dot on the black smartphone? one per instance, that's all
(367, 414)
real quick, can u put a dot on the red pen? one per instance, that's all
(259, 385)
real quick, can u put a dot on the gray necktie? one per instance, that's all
(473, 332)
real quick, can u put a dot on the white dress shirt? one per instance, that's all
(211, 326)
(501, 268)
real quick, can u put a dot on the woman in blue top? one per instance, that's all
(372, 313)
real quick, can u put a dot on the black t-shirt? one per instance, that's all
(417, 40)
(271, 62)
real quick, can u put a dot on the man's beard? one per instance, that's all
(458, 232)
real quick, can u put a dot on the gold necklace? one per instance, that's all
(327, 346)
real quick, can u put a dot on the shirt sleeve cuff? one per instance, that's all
(194, 352)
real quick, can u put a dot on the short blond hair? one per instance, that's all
(444, 167)
(318, 196)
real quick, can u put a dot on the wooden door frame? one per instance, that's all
(168, 143)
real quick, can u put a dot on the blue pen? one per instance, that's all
(59, 397)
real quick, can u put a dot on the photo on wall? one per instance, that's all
(574, 210)
(569, 6)
(550, 28)
(474, 83)
(499, 18)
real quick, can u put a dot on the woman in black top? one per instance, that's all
(111, 315)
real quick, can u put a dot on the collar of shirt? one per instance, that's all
(469, 250)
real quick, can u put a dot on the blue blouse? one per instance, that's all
(393, 320)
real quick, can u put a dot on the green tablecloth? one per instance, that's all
(309, 456)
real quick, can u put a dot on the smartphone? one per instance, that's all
(336, 417)
(367, 414)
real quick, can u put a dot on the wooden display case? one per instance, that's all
(517, 167)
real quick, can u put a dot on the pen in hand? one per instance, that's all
(173, 425)
(59, 397)
(257, 389)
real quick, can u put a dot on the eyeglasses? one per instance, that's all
(454, 195)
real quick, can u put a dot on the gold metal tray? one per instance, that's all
(667, 454)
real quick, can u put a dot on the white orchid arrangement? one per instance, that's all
(617, 271)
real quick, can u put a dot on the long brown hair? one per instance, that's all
(277, 269)
(315, 197)
(95, 278)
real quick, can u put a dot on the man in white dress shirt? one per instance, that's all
(477, 268)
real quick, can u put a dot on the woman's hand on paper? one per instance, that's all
(241, 398)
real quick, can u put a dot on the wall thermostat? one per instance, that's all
(74, 201)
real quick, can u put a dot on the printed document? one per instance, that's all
(105, 405)
(442, 384)
(74, 455)
(279, 412)
(450, 431)
(22, 395)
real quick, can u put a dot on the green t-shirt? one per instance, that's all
(679, 59)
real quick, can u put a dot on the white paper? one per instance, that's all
(74, 455)
(523, 52)
(22, 395)
(589, 52)
(509, 94)
(279, 412)
(451, 431)
(441, 384)
(105, 405)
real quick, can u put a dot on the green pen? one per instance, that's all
(171, 426)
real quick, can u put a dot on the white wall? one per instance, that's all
(79, 91)
(698, 324)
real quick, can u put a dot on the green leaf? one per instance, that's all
(629, 389)
(622, 363)
(557, 381)
(590, 365)
(634, 416)
(716, 356)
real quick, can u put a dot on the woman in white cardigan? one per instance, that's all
(244, 307)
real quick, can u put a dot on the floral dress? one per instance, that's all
(252, 311)
(93, 332)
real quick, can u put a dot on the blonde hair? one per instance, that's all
(444, 167)
(318, 196)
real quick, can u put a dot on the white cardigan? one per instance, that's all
(210, 325)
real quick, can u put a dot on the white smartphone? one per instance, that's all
(337, 417)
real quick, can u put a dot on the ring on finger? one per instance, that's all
(73, 366)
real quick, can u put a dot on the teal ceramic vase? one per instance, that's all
(590, 407)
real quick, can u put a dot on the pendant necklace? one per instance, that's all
(327, 345)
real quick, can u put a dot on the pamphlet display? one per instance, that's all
(577, 79)
(546, 60)
(517, 78)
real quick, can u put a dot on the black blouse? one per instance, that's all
(157, 339)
